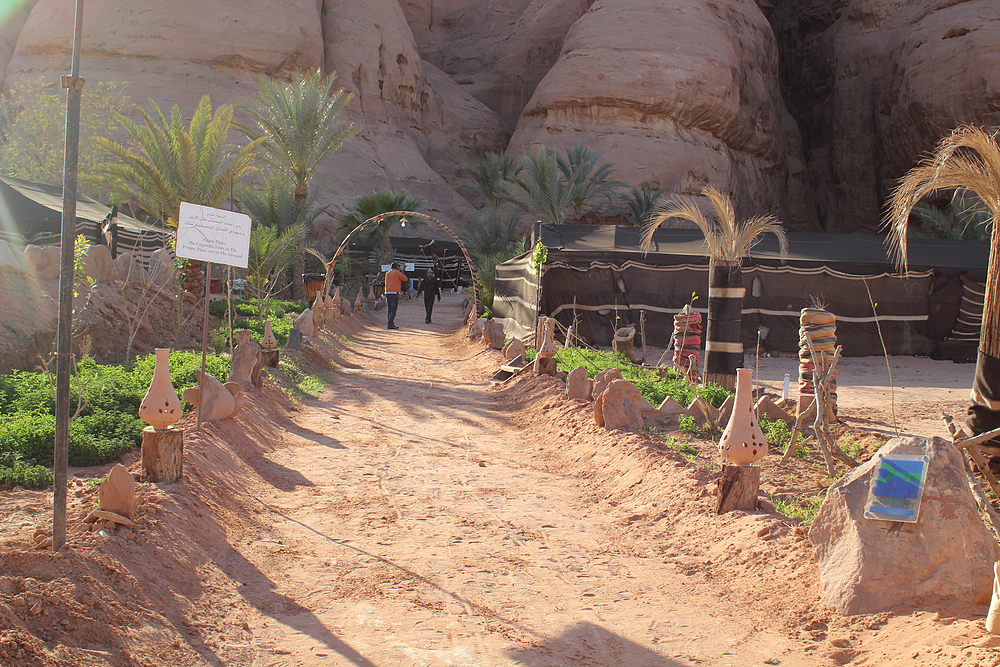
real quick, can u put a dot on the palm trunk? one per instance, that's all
(385, 254)
(298, 286)
(723, 349)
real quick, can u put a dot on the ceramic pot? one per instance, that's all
(268, 342)
(548, 346)
(743, 442)
(161, 407)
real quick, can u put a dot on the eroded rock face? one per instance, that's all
(680, 94)
(947, 554)
(874, 84)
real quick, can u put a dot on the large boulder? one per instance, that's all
(619, 406)
(219, 401)
(868, 566)
(493, 335)
(161, 268)
(128, 269)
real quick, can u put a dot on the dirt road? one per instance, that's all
(417, 532)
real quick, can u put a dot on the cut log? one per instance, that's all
(545, 366)
(269, 358)
(738, 489)
(163, 454)
(624, 342)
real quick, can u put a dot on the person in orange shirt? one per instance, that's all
(394, 279)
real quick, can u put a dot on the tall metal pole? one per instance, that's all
(74, 85)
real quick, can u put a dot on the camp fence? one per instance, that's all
(31, 213)
(597, 277)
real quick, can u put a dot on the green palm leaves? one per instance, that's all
(727, 240)
(367, 207)
(301, 122)
(169, 163)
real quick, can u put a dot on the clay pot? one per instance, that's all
(548, 346)
(269, 342)
(743, 442)
(160, 406)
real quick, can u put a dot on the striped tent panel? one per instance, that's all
(970, 312)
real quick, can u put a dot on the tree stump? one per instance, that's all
(738, 488)
(163, 454)
(545, 366)
(269, 358)
(624, 342)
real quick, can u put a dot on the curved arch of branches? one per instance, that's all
(403, 214)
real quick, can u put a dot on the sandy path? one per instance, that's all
(417, 533)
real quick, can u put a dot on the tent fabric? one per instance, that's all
(599, 277)
(31, 213)
(970, 311)
(423, 253)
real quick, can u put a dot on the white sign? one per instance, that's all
(409, 266)
(212, 235)
(386, 267)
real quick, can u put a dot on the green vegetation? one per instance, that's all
(367, 207)
(653, 387)
(305, 383)
(686, 450)
(105, 401)
(779, 436)
(799, 507)
(279, 327)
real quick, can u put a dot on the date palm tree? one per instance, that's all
(167, 163)
(967, 159)
(586, 180)
(490, 177)
(539, 188)
(729, 241)
(368, 206)
(299, 122)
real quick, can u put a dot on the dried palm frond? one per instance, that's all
(817, 302)
(727, 240)
(969, 159)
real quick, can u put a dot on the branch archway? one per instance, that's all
(402, 214)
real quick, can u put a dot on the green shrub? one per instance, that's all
(15, 472)
(280, 328)
(24, 391)
(779, 435)
(103, 437)
(249, 309)
(182, 368)
(653, 387)
(28, 437)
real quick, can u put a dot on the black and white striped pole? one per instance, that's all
(723, 349)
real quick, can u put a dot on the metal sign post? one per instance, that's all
(64, 342)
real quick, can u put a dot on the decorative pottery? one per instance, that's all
(743, 442)
(160, 406)
(548, 346)
(269, 342)
(335, 302)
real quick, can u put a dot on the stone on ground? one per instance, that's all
(513, 349)
(98, 264)
(868, 566)
(493, 335)
(619, 406)
(43, 261)
(221, 401)
(161, 267)
(578, 385)
(117, 492)
(247, 364)
(604, 378)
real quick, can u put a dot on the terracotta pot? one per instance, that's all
(160, 406)
(743, 442)
(548, 346)
(269, 342)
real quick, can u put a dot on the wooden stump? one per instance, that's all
(738, 488)
(624, 342)
(163, 454)
(269, 358)
(545, 366)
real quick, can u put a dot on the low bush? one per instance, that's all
(107, 424)
(280, 328)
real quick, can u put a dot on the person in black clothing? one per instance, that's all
(429, 288)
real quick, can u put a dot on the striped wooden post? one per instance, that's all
(723, 349)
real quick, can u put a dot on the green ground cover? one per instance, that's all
(105, 400)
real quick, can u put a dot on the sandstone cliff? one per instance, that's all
(807, 108)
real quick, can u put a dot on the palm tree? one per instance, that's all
(300, 123)
(972, 221)
(169, 164)
(539, 188)
(967, 159)
(490, 176)
(640, 203)
(368, 206)
(585, 179)
(484, 236)
(272, 251)
(728, 243)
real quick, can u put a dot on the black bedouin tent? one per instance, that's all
(31, 213)
(599, 276)
(444, 256)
